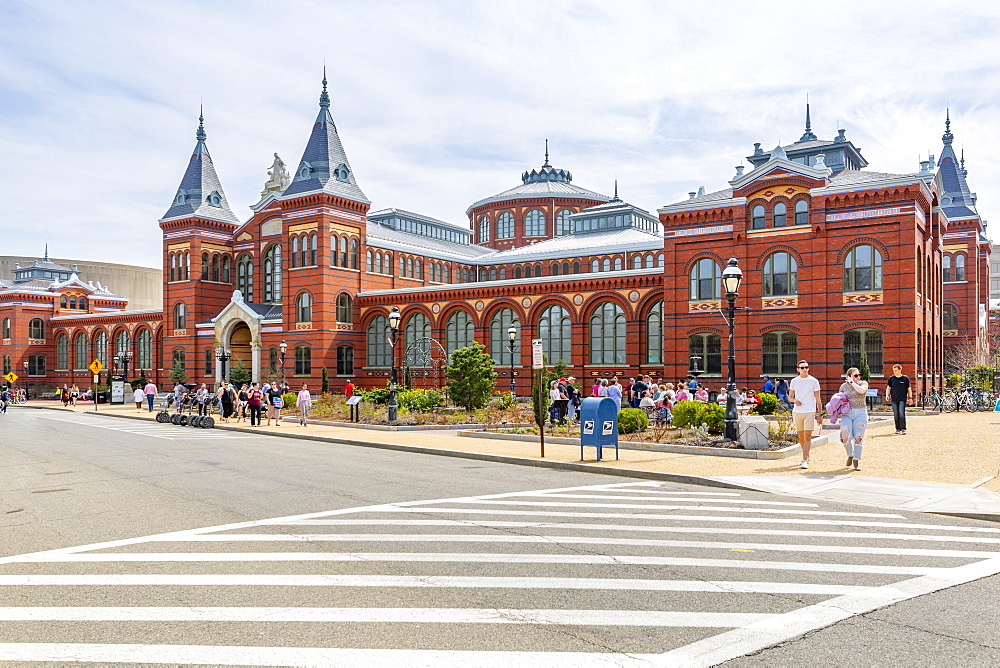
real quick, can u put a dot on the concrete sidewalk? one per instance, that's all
(945, 463)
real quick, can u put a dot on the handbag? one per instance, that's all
(278, 402)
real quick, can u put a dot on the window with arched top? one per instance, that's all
(946, 268)
(186, 265)
(354, 253)
(780, 215)
(206, 271)
(868, 340)
(293, 257)
(660, 260)
(517, 272)
(802, 212)
(607, 334)
(595, 266)
(705, 280)
(370, 261)
(576, 267)
(36, 329)
(637, 262)
(215, 268)
(499, 343)
(180, 316)
(377, 349)
(345, 361)
(62, 353)
(101, 347)
(618, 264)
(493, 274)
(534, 223)
(459, 332)
(345, 308)
(72, 302)
(417, 328)
(63, 302)
(949, 317)
(780, 352)
(484, 229)
(179, 358)
(82, 304)
(344, 252)
(6, 328)
(555, 329)
(80, 357)
(708, 347)
(606, 264)
(780, 276)
(563, 224)
(303, 308)
(173, 267)
(244, 277)
(757, 219)
(538, 271)
(654, 333)
(122, 343)
(650, 261)
(272, 275)
(144, 350)
(862, 269)
(303, 360)
(554, 269)
(505, 225)
(227, 276)
(959, 267)
(313, 249)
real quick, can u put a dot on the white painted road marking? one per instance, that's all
(163, 431)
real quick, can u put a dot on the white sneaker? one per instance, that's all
(804, 464)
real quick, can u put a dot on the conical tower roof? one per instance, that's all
(957, 199)
(200, 193)
(324, 166)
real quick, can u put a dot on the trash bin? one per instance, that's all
(598, 424)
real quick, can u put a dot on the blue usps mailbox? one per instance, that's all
(598, 424)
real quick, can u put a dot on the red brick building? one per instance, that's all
(836, 258)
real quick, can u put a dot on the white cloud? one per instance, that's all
(441, 104)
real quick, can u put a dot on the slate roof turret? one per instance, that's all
(200, 193)
(957, 199)
(324, 166)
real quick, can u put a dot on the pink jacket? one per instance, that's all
(837, 407)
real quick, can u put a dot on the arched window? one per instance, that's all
(780, 352)
(354, 253)
(949, 315)
(534, 223)
(780, 215)
(417, 327)
(227, 276)
(709, 348)
(595, 266)
(607, 334)
(637, 262)
(780, 275)
(72, 302)
(313, 248)
(606, 264)
(180, 316)
(101, 347)
(206, 271)
(6, 328)
(187, 265)
(378, 263)
(517, 272)
(63, 302)
(345, 308)
(144, 352)
(303, 308)
(576, 267)
(303, 360)
(959, 267)
(758, 219)
(802, 212)
(62, 353)
(554, 269)
(209, 357)
(6, 365)
(505, 225)
(499, 324)
(484, 229)
(447, 273)
(82, 304)
(173, 265)
(563, 224)
(538, 271)
(618, 264)
(565, 267)
(215, 268)
(179, 359)
(650, 261)
(272, 275)
(869, 340)
(377, 348)
(343, 252)
(493, 274)
(293, 257)
(333, 251)
(459, 332)
(503, 273)
(36, 329)
(946, 268)
(80, 357)
(122, 343)
(654, 334)
(660, 262)
(370, 261)
(705, 280)
(862, 269)
(244, 277)
(555, 329)
(418, 269)
(345, 361)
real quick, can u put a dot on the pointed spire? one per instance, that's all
(324, 97)
(808, 134)
(200, 134)
(947, 137)
(46, 251)
(616, 188)
(546, 153)
(200, 193)
(961, 167)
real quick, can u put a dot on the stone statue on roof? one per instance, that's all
(277, 177)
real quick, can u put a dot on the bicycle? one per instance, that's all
(935, 402)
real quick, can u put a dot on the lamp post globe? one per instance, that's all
(394, 317)
(732, 276)
(511, 338)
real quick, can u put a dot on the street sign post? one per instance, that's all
(95, 368)
(11, 377)
(537, 354)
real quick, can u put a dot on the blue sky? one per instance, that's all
(440, 104)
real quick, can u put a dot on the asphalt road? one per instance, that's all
(126, 542)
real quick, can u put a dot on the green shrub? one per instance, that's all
(376, 395)
(685, 413)
(631, 420)
(503, 401)
(768, 404)
(420, 401)
(714, 416)
(289, 398)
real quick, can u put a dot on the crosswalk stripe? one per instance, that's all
(479, 557)
(576, 540)
(637, 506)
(663, 618)
(424, 581)
(634, 498)
(310, 656)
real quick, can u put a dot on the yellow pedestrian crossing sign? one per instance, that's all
(11, 377)
(96, 367)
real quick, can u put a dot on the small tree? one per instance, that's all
(325, 387)
(239, 373)
(407, 378)
(472, 377)
(177, 374)
(863, 367)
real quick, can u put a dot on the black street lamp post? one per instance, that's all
(394, 317)
(511, 336)
(284, 348)
(123, 358)
(731, 279)
(223, 356)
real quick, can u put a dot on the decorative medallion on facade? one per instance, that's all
(780, 302)
(436, 308)
(577, 299)
(526, 302)
(633, 296)
(480, 306)
(699, 307)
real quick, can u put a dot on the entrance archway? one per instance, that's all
(240, 345)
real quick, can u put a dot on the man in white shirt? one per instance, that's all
(804, 393)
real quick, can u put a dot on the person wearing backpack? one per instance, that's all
(254, 399)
